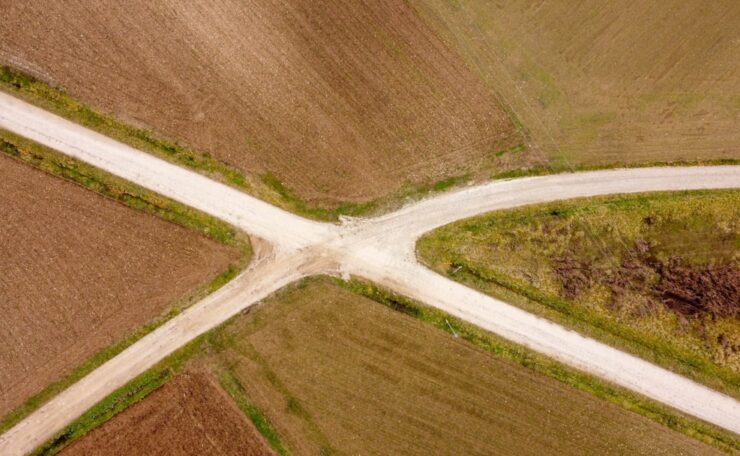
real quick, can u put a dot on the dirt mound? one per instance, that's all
(575, 274)
(707, 290)
(688, 290)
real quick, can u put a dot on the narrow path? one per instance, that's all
(380, 249)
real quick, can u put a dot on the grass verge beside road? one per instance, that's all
(631, 270)
(267, 186)
(118, 189)
(137, 198)
(222, 348)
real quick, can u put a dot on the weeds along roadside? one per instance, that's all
(138, 388)
(135, 197)
(435, 249)
(267, 186)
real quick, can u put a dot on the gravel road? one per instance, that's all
(380, 249)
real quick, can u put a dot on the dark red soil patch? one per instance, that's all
(189, 415)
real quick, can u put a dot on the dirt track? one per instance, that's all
(380, 249)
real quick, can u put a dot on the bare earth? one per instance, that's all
(342, 101)
(604, 82)
(189, 415)
(335, 370)
(80, 272)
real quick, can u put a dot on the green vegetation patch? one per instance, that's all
(655, 274)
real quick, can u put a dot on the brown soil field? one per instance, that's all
(603, 82)
(189, 415)
(80, 272)
(336, 372)
(342, 101)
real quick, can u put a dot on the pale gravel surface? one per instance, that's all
(380, 249)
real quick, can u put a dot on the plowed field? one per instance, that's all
(79, 272)
(340, 100)
(602, 82)
(190, 415)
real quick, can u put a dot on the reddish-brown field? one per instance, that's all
(341, 100)
(189, 415)
(79, 272)
(599, 82)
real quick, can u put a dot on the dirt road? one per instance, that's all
(380, 249)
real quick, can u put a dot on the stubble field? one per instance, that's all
(607, 82)
(189, 415)
(337, 101)
(337, 372)
(81, 272)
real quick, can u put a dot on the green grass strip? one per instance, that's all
(120, 190)
(560, 169)
(673, 419)
(138, 198)
(59, 102)
(234, 388)
(109, 407)
(497, 346)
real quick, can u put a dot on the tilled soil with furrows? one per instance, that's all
(340, 100)
(189, 415)
(80, 272)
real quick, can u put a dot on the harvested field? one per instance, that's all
(189, 415)
(334, 371)
(658, 274)
(607, 82)
(340, 101)
(80, 272)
